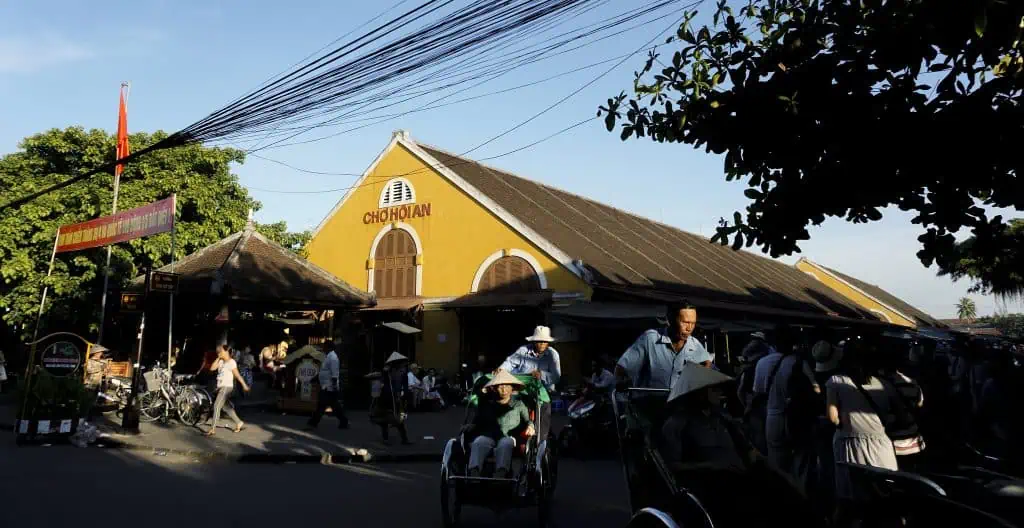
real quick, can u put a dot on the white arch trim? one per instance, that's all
(882, 314)
(493, 257)
(419, 253)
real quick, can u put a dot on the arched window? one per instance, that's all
(395, 265)
(397, 192)
(509, 274)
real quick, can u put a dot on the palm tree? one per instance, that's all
(966, 309)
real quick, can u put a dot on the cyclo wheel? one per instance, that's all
(151, 406)
(451, 506)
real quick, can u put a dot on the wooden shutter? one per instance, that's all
(509, 274)
(395, 265)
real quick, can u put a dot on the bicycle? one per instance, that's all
(193, 404)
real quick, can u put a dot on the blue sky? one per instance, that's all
(61, 63)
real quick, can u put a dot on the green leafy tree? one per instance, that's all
(839, 109)
(993, 261)
(211, 205)
(1011, 325)
(278, 232)
(966, 310)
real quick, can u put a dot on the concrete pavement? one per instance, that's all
(271, 436)
(64, 486)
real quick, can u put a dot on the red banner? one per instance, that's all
(157, 217)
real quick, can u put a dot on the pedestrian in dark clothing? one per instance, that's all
(388, 409)
(330, 390)
(792, 411)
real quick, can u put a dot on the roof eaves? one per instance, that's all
(314, 269)
(854, 287)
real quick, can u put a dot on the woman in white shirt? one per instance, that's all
(227, 373)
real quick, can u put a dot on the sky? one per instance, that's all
(62, 62)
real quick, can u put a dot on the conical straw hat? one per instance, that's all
(504, 378)
(694, 377)
(395, 356)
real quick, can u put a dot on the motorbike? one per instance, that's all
(591, 427)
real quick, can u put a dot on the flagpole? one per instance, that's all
(30, 368)
(126, 88)
(170, 313)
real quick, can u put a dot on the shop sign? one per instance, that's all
(131, 302)
(150, 219)
(61, 358)
(162, 281)
(307, 370)
(397, 213)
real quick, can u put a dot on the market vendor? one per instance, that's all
(272, 360)
(497, 418)
(539, 359)
(657, 357)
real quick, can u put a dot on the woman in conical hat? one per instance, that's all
(388, 409)
(711, 456)
(495, 421)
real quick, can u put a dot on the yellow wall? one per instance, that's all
(457, 236)
(430, 351)
(854, 295)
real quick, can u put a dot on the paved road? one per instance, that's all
(61, 485)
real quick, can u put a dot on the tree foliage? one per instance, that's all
(1011, 325)
(993, 261)
(966, 310)
(278, 232)
(211, 205)
(832, 108)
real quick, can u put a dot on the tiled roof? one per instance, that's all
(256, 269)
(623, 250)
(890, 300)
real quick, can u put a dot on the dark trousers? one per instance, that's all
(792, 452)
(544, 421)
(402, 432)
(328, 399)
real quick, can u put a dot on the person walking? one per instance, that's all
(227, 373)
(906, 401)
(330, 390)
(388, 408)
(857, 403)
(754, 403)
(790, 418)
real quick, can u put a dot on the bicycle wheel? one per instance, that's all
(152, 406)
(190, 406)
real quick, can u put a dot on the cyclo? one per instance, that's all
(661, 497)
(533, 476)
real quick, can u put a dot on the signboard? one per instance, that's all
(61, 358)
(307, 370)
(131, 302)
(397, 213)
(157, 217)
(161, 281)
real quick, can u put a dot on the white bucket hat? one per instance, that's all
(504, 378)
(694, 377)
(541, 334)
(757, 335)
(826, 357)
(395, 356)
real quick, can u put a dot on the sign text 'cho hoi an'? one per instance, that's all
(150, 219)
(397, 213)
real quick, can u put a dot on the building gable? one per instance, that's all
(888, 307)
(453, 229)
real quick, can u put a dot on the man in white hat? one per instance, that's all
(539, 359)
(658, 355)
(495, 420)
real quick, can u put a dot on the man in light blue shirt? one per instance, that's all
(539, 359)
(658, 355)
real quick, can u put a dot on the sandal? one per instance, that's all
(211, 432)
(239, 428)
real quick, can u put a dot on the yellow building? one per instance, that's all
(475, 257)
(886, 306)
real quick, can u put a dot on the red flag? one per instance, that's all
(122, 130)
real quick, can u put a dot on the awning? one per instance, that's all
(395, 303)
(501, 300)
(611, 310)
(402, 328)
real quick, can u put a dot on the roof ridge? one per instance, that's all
(222, 242)
(324, 274)
(593, 201)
